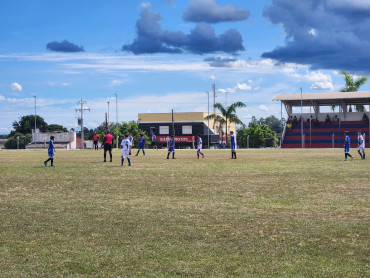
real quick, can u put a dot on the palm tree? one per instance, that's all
(228, 114)
(353, 86)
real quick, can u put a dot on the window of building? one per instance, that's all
(164, 130)
(187, 129)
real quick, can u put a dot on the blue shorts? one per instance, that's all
(141, 148)
(233, 147)
(51, 154)
(346, 149)
(171, 150)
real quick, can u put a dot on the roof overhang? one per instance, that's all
(325, 99)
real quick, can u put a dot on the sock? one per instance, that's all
(129, 161)
(202, 154)
(235, 155)
(143, 152)
(105, 156)
(198, 155)
(137, 152)
(48, 160)
(345, 156)
(173, 155)
(110, 155)
(52, 161)
(168, 155)
(363, 155)
(122, 160)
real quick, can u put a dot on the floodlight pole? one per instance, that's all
(35, 123)
(116, 121)
(301, 119)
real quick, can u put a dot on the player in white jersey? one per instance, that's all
(199, 147)
(126, 150)
(361, 144)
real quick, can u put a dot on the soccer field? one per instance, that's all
(281, 213)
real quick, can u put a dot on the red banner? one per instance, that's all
(178, 139)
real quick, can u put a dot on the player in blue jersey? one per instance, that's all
(199, 147)
(126, 149)
(233, 145)
(347, 145)
(171, 148)
(51, 151)
(141, 145)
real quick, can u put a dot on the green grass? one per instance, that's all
(270, 213)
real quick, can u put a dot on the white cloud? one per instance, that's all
(16, 86)
(116, 82)
(145, 5)
(238, 87)
(63, 84)
(263, 108)
(212, 77)
(312, 32)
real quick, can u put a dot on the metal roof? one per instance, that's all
(325, 98)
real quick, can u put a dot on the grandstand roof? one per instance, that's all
(324, 99)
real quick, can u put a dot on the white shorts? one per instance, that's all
(199, 149)
(361, 148)
(224, 142)
(125, 154)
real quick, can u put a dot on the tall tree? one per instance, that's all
(228, 114)
(353, 86)
(27, 123)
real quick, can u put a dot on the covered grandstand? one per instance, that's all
(324, 129)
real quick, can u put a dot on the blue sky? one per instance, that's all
(165, 54)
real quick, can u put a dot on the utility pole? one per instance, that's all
(82, 121)
(208, 119)
(116, 121)
(35, 123)
(108, 114)
(214, 98)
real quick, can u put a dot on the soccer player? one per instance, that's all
(361, 145)
(220, 140)
(154, 139)
(171, 148)
(224, 142)
(141, 145)
(233, 145)
(107, 141)
(131, 139)
(126, 149)
(347, 144)
(96, 141)
(199, 147)
(51, 151)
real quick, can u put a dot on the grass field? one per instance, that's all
(270, 213)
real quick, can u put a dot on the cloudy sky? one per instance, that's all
(165, 54)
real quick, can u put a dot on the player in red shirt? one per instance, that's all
(107, 141)
(96, 141)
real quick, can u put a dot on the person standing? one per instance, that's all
(126, 149)
(171, 148)
(361, 145)
(141, 144)
(131, 139)
(107, 141)
(199, 147)
(224, 142)
(219, 140)
(154, 141)
(233, 145)
(51, 150)
(347, 145)
(96, 141)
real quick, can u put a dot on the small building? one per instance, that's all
(187, 126)
(62, 140)
(2, 143)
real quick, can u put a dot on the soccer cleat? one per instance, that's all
(173, 157)
(104, 161)
(53, 165)
(45, 163)
(110, 160)
(203, 156)
(345, 160)
(351, 158)
(136, 155)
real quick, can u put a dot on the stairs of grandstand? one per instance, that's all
(322, 136)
